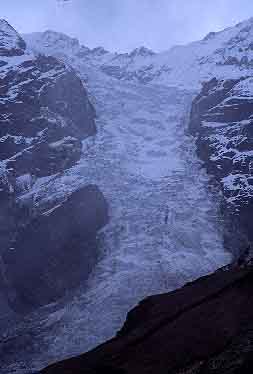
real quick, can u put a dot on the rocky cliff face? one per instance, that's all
(11, 44)
(44, 116)
(222, 119)
(45, 113)
(205, 327)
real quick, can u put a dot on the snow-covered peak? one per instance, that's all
(52, 42)
(11, 44)
(64, 47)
(224, 54)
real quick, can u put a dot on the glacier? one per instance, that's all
(165, 227)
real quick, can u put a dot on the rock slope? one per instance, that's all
(56, 251)
(204, 327)
(44, 116)
(222, 119)
(11, 44)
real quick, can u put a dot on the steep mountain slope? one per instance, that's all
(44, 116)
(222, 120)
(11, 44)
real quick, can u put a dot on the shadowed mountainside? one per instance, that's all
(204, 327)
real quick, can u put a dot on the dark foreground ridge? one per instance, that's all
(204, 327)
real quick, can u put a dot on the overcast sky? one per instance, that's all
(125, 24)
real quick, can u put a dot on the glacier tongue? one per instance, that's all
(164, 224)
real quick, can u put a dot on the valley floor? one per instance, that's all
(164, 225)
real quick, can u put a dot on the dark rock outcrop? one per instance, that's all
(205, 327)
(55, 251)
(222, 120)
(42, 102)
(46, 158)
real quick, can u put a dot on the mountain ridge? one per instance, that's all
(222, 55)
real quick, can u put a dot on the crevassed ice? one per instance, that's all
(164, 225)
